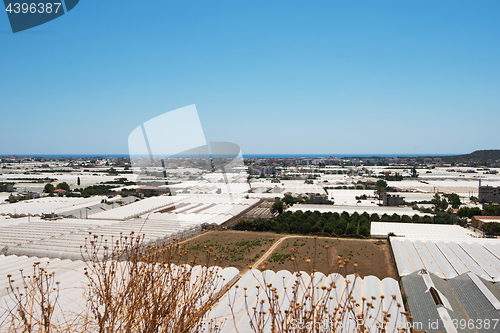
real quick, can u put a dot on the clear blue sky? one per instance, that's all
(336, 77)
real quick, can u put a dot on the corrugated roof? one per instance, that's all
(72, 280)
(421, 231)
(457, 311)
(448, 259)
(474, 302)
(471, 300)
(421, 304)
(255, 283)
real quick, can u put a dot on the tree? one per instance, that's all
(351, 229)
(492, 210)
(289, 200)
(454, 200)
(395, 218)
(63, 186)
(380, 188)
(427, 219)
(491, 228)
(341, 226)
(277, 207)
(406, 219)
(416, 218)
(440, 205)
(316, 227)
(469, 212)
(463, 212)
(364, 230)
(329, 227)
(49, 188)
(219, 191)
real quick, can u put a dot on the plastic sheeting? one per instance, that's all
(448, 259)
(232, 308)
(72, 280)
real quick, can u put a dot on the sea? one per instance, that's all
(250, 156)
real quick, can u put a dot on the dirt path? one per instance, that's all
(268, 253)
(245, 250)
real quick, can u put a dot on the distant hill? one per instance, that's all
(480, 157)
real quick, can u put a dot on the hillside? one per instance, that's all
(480, 157)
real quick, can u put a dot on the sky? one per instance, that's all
(288, 77)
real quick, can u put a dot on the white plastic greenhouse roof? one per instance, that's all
(447, 258)
(137, 208)
(359, 209)
(232, 308)
(299, 188)
(63, 238)
(421, 231)
(218, 199)
(200, 204)
(72, 280)
(49, 205)
(68, 273)
(188, 217)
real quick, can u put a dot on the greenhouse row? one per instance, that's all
(335, 293)
(448, 259)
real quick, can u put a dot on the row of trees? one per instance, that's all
(82, 192)
(491, 228)
(490, 210)
(311, 223)
(442, 203)
(96, 190)
(396, 177)
(49, 188)
(338, 224)
(291, 200)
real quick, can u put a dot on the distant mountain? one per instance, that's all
(480, 157)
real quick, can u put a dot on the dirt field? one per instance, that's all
(231, 248)
(373, 257)
(241, 249)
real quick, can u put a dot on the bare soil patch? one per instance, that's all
(372, 256)
(228, 248)
(242, 249)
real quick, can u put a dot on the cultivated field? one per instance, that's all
(228, 248)
(241, 249)
(372, 257)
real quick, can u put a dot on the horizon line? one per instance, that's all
(253, 154)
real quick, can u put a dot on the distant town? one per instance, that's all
(358, 184)
(393, 227)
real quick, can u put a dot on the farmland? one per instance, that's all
(372, 257)
(228, 248)
(241, 249)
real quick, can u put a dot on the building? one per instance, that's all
(478, 221)
(315, 198)
(33, 195)
(436, 304)
(149, 191)
(393, 200)
(370, 184)
(60, 192)
(489, 194)
(6, 187)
